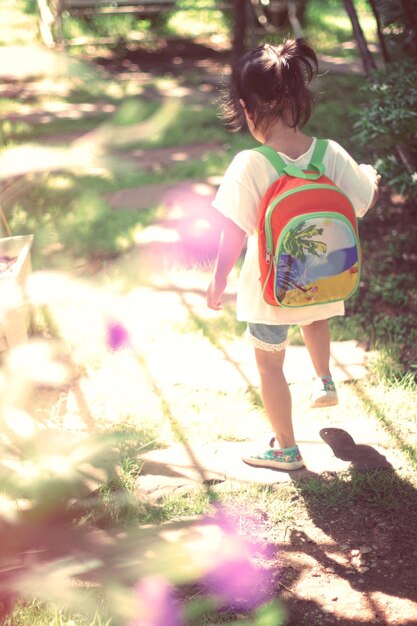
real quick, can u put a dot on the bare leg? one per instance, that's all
(317, 340)
(276, 395)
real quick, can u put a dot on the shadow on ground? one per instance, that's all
(355, 557)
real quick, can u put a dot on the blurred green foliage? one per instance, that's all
(388, 125)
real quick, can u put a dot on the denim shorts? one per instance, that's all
(272, 338)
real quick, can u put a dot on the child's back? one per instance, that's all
(270, 92)
(244, 184)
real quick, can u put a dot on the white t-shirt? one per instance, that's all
(245, 181)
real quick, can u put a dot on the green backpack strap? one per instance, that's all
(315, 168)
(318, 154)
(273, 157)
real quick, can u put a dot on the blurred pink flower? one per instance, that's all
(117, 335)
(236, 581)
(156, 603)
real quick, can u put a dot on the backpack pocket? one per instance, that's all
(316, 261)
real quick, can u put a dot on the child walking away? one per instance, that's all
(294, 200)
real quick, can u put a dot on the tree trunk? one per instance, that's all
(368, 61)
(409, 7)
(239, 16)
(384, 49)
(410, 10)
(294, 21)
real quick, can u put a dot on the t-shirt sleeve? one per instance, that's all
(357, 181)
(236, 197)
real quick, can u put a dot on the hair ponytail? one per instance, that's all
(274, 83)
(299, 53)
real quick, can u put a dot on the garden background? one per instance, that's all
(110, 156)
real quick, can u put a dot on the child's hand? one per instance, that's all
(215, 293)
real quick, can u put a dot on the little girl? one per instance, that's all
(270, 91)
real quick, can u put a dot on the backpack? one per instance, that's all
(309, 251)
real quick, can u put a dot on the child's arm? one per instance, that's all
(359, 182)
(232, 239)
(375, 177)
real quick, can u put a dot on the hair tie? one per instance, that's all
(278, 56)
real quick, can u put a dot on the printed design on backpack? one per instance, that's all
(309, 249)
(317, 260)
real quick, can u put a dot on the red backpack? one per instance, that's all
(309, 250)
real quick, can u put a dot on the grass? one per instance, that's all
(380, 489)
(37, 613)
(71, 220)
(389, 400)
(68, 211)
(225, 326)
(329, 29)
(193, 124)
(202, 22)
(332, 120)
(14, 133)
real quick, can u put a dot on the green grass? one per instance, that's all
(282, 502)
(193, 124)
(332, 117)
(67, 210)
(392, 402)
(13, 133)
(71, 220)
(175, 23)
(199, 21)
(328, 27)
(117, 27)
(41, 614)
(225, 326)
(382, 490)
(176, 507)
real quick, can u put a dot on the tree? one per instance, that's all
(379, 26)
(239, 15)
(388, 123)
(367, 58)
(410, 12)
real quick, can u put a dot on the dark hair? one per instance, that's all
(274, 83)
